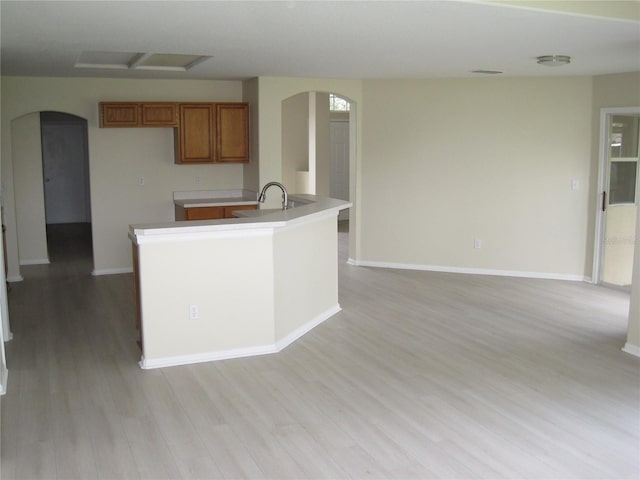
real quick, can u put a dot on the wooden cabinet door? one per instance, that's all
(228, 211)
(204, 213)
(232, 135)
(119, 114)
(159, 114)
(196, 134)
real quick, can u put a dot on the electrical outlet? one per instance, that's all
(477, 243)
(141, 181)
(194, 312)
(575, 184)
(197, 179)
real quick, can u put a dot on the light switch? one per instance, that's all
(575, 184)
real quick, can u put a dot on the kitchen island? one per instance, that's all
(217, 289)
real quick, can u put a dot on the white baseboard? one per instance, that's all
(632, 349)
(147, 364)
(35, 261)
(310, 325)
(469, 271)
(15, 278)
(112, 271)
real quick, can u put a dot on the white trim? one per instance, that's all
(147, 364)
(5, 379)
(112, 271)
(198, 236)
(470, 271)
(35, 261)
(332, 213)
(310, 325)
(15, 278)
(632, 349)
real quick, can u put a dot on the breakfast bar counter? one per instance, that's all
(216, 289)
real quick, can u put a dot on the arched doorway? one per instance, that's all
(50, 179)
(318, 148)
(65, 166)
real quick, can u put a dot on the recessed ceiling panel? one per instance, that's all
(139, 61)
(106, 59)
(171, 61)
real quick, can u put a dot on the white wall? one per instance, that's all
(28, 190)
(633, 332)
(323, 148)
(235, 298)
(446, 162)
(250, 172)
(117, 156)
(295, 139)
(305, 275)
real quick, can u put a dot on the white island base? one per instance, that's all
(220, 289)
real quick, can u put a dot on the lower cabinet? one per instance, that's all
(203, 213)
(228, 211)
(209, 213)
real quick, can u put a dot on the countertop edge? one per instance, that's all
(315, 208)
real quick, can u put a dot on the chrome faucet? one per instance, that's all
(284, 193)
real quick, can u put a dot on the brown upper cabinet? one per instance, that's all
(135, 114)
(194, 136)
(232, 134)
(204, 132)
(159, 114)
(119, 114)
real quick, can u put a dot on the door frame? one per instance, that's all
(344, 213)
(603, 176)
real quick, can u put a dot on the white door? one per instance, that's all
(339, 138)
(619, 199)
(65, 172)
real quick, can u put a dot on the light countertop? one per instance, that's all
(305, 207)
(214, 198)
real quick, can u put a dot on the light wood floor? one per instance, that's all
(422, 375)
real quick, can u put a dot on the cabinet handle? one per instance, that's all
(604, 201)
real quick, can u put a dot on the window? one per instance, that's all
(337, 104)
(623, 182)
(623, 167)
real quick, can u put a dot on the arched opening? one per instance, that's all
(318, 148)
(51, 186)
(65, 166)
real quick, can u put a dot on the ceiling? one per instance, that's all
(337, 39)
